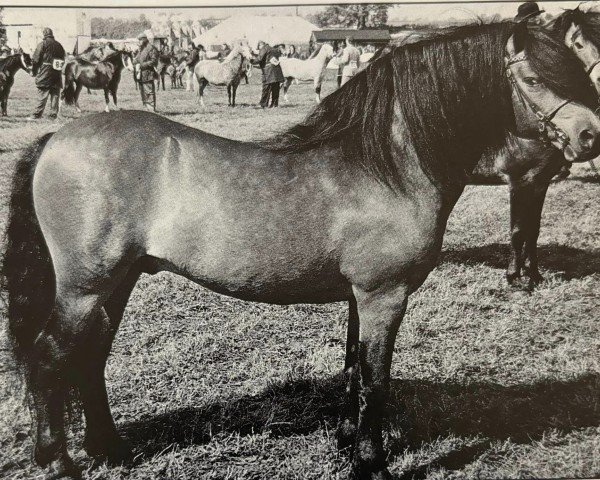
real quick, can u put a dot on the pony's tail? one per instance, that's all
(27, 271)
(68, 92)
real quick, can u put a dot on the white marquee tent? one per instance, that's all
(272, 29)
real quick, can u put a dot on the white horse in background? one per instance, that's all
(227, 73)
(312, 69)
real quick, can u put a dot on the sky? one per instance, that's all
(408, 12)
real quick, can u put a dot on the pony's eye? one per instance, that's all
(532, 81)
(578, 45)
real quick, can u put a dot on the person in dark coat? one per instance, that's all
(272, 75)
(145, 63)
(197, 53)
(48, 61)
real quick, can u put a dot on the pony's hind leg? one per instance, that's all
(286, 87)
(78, 89)
(106, 100)
(55, 351)
(101, 437)
(113, 92)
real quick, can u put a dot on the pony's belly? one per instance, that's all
(270, 284)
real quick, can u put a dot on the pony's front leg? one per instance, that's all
(517, 233)
(380, 312)
(106, 100)
(202, 85)
(317, 84)
(530, 264)
(78, 89)
(229, 95)
(346, 431)
(286, 86)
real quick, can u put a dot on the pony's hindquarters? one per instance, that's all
(57, 285)
(68, 93)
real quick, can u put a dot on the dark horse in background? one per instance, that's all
(350, 205)
(9, 66)
(104, 75)
(164, 62)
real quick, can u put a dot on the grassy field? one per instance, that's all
(489, 381)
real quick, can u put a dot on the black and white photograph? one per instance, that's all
(338, 241)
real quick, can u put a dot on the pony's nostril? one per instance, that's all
(587, 139)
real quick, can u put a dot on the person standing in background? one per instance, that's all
(349, 61)
(196, 54)
(48, 61)
(272, 75)
(145, 67)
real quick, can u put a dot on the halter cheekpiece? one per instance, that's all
(547, 128)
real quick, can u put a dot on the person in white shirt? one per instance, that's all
(349, 60)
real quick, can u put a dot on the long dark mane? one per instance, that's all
(114, 56)
(452, 94)
(5, 62)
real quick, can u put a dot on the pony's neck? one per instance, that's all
(116, 60)
(12, 65)
(232, 55)
(234, 60)
(322, 56)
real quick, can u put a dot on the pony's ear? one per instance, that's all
(520, 36)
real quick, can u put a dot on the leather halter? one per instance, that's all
(591, 67)
(547, 128)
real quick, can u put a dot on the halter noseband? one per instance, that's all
(547, 128)
(591, 67)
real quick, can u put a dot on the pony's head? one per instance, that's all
(565, 122)
(26, 63)
(121, 59)
(553, 103)
(580, 31)
(326, 51)
(241, 47)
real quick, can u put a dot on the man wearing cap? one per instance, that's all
(272, 75)
(48, 61)
(526, 11)
(145, 64)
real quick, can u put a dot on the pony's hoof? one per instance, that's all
(107, 109)
(114, 450)
(535, 278)
(358, 473)
(63, 468)
(512, 277)
(346, 435)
